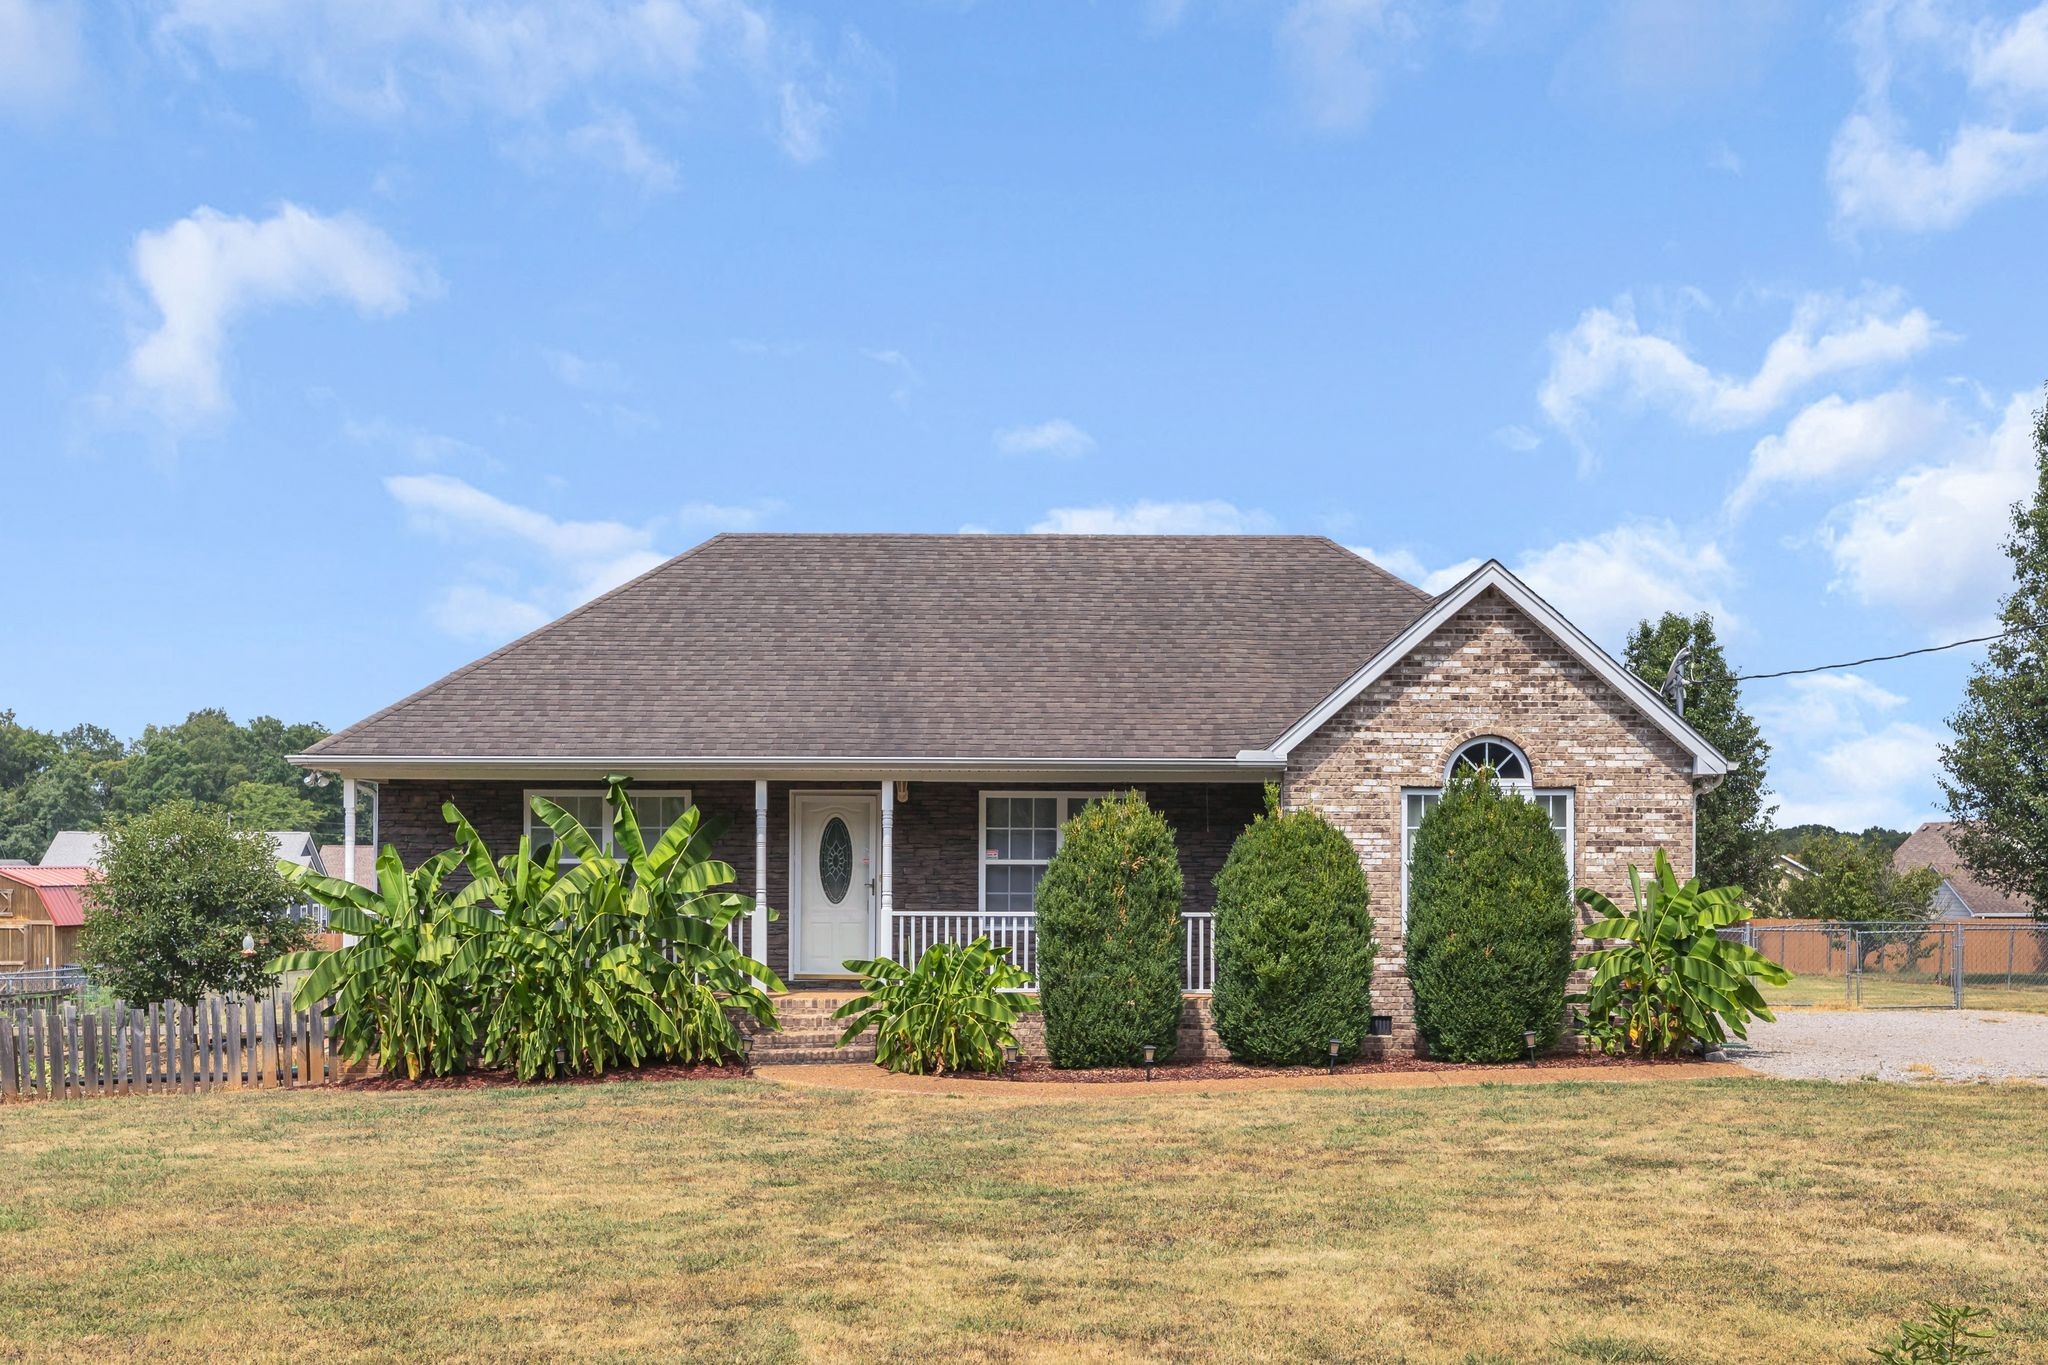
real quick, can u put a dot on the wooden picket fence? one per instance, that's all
(65, 1052)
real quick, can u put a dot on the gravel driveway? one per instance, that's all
(1900, 1045)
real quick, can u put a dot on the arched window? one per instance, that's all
(1511, 769)
(1507, 762)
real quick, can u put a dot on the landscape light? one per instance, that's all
(1529, 1042)
(1009, 1059)
(1151, 1050)
(1335, 1046)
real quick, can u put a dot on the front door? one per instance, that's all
(835, 855)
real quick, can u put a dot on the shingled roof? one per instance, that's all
(1929, 846)
(914, 646)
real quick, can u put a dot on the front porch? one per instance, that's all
(858, 869)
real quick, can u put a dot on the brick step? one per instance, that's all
(800, 1037)
(796, 1055)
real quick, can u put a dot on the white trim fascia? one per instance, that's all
(591, 770)
(1706, 760)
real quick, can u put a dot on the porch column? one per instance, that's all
(757, 943)
(348, 840)
(888, 868)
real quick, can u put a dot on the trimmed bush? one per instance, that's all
(1294, 946)
(1110, 937)
(1489, 924)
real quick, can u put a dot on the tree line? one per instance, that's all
(85, 776)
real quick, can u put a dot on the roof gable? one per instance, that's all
(1707, 761)
(1929, 846)
(855, 647)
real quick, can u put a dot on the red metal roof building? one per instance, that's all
(41, 909)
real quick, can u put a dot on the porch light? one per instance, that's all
(248, 945)
(1529, 1042)
(1336, 1045)
(1151, 1050)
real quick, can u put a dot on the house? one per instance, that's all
(1962, 895)
(41, 910)
(333, 861)
(892, 728)
(83, 847)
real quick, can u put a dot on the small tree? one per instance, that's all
(1852, 880)
(179, 889)
(1110, 937)
(1997, 769)
(1489, 924)
(1294, 945)
(1733, 821)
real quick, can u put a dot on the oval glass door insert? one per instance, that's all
(835, 859)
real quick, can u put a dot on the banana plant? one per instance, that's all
(1667, 980)
(404, 989)
(957, 1010)
(625, 958)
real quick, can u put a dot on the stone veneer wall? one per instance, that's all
(1492, 671)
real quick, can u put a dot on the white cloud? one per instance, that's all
(469, 612)
(1608, 356)
(1406, 564)
(1518, 438)
(581, 372)
(1608, 582)
(1604, 583)
(204, 271)
(577, 559)
(612, 141)
(1821, 706)
(1147, 518)
(40, 54)
(1836, 437)
(1335, 54)
(712, 516)
(1058, 437)
(908, 380)
(1929, 545)
(1883, 777)
(1880, 177)
(523, 60)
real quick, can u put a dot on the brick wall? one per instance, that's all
(1492, 671)
(937, 837)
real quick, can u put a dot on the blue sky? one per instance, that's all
(340, 341)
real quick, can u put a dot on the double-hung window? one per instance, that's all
(1511, 770)
(1020, 831)
(655, 809)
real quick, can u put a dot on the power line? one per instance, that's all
(1873, 659)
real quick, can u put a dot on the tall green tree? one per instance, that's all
(51, 782)
(1734, 819)
(1996, 777)
(180, 887)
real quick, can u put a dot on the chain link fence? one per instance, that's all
(1943, 964)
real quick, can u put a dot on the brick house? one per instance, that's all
(893, 727)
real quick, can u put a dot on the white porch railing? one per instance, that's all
(915, 932)
(741, 932)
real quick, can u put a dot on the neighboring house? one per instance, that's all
(74, 848)
(1791, 869)
(41, 909)
(333, 862)
(83, 847)
(893, 727)
(1961, 894)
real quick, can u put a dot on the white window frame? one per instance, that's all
(983, 862)
(604, 835)
(1569, 836)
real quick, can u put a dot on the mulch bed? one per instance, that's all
(1035, 1071)
(486, 1080)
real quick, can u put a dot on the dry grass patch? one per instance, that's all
(1683, 1221)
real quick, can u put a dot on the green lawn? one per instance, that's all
(1899, 991)
(1736, 1220)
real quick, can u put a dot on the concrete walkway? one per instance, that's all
(873, 1078)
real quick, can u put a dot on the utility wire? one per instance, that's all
(1873, 659)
